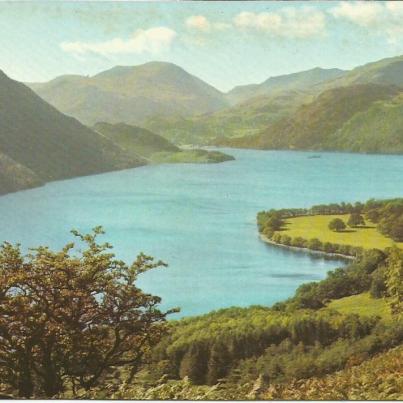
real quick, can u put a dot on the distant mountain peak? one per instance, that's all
(131, 94)
(299, 81)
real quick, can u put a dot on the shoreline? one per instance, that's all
(306, 250)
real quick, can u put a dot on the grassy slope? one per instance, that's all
(308, 227)
(363, 305)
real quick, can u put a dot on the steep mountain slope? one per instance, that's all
(135, 139)
(304, 80)
(378, 129)
(130, 94)
(14, 176)
(315, 125)
(40, 144)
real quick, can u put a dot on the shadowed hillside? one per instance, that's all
(40, 144)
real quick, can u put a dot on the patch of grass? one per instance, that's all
(316, 226)
(361, 304)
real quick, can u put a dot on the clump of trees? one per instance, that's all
(355, 220)
(269, 222)
(337, 225)
(67, 318)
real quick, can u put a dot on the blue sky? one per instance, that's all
(223, 43)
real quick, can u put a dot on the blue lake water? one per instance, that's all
(201, 220)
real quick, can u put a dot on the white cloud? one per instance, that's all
(202, 24)
(289, 22)
(153, 40)
(382, 18)
(361, 13)
(198, 22)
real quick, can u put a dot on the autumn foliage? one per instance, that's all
(67, 318)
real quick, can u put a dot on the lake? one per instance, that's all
(201, 219)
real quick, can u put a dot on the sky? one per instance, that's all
(224, 43)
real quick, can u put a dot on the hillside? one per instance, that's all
(378, 129)
(303, 80)
(315, 125)
(146, 144)
(380, 378)
(385, 72)
(247, 118)
(131, 93)
(304, 347)
(40, 144)
(135, 139)
(14, 176)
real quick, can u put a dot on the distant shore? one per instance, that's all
(307, 250)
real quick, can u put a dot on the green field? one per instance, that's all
(309, 227)
(361, 304)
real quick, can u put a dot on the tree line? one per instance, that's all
(294, 338)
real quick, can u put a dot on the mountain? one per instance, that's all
(304, 80)
(377, 129)
(131, 94)
(384, 72)
(14, 176)
(144, 143)
(247, 118)
(323, 124)
(135, 139)
(40, 144)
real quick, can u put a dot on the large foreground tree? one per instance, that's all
(67, 318)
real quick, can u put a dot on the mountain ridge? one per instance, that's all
(131, 93)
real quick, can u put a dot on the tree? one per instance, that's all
(69, 317)
(355, 219)
(217, 366)
(337, 225)
(314, 244)
(194, 363)
(394, 281)
(373, 215)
